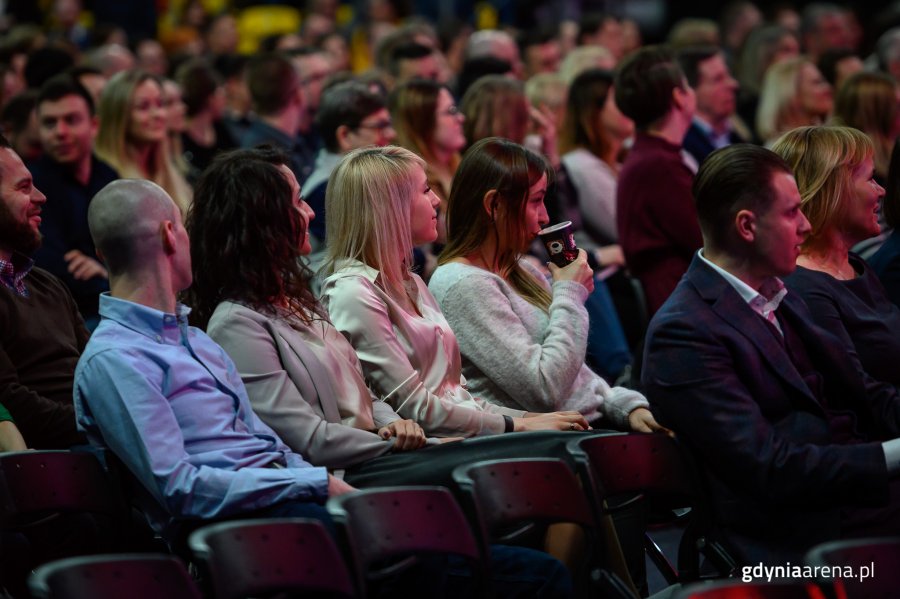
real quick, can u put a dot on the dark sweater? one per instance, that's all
(656, 216)
(886, 264)
(41, 338)
(64, 225)
(858, 313)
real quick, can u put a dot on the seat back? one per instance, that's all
(511, 491)
(136, 576)
(384, 525)
(637, 463)
(866, 568)
(255, 557)
(657, 465)
(34, 484)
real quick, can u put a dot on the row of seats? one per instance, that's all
(387, 524)
(254, 558)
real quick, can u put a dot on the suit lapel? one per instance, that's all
(306, 371)
(728, 305)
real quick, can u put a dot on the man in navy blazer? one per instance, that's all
(798, 445)
(711, 128)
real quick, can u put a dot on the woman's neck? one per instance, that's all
(831, 255)
(142, 156)
(611, 156)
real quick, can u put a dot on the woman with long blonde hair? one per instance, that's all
(794, 94)
(379, 207)
(133, 136)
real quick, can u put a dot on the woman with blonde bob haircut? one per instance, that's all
(524, 341)
(379, 207)
(834, 169)
(794, 94)
(133, 133)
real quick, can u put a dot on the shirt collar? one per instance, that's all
(355, 267)
(14, 271)
(764, 301)
(153, 323)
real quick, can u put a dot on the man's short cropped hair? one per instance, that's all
(58, 87)
(644, 83)
(347, 103)
(272, 80)
(737, 177)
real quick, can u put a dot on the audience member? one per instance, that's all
(736, 20)
(314, 67)
(132, 137)
(175, 109)
(413, 61)
(868, 102)
(591, 142)
(690, 32)
(837, 64)
(278, 102)
(655, 213)
(41, 332)
(18, 119)
(886, 261)
(205, 133)
(253, 296)
(474, 69)
(350, 117)
(379, 206)
(783, 421)
(497, 44)
(824, 26)
(541, 52)
(834, 168)
(765, 46)
(144, 373)
(429, 123)
(90, 79)
(602, 29)
(794, 94)
(583, 58)
(70, 174)
(523, 341)
(716, 90)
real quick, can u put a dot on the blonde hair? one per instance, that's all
(583, 58)
(114, 147)
(368, 202)
(823, 160)
(777, 110)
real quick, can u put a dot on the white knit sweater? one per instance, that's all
(517, 355)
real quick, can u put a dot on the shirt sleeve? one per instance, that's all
(357, 312)
(138, 425)
(277, 400)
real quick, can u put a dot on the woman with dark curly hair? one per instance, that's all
(249, 228)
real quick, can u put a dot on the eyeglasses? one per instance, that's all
(376, 126)
(452, 111)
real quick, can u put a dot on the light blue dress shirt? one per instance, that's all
(167, 400)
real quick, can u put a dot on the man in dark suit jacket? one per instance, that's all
(787, 427)
(711, 128)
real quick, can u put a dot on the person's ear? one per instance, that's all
(745, 225)
(342, 135)
(167, 237)
(95, 125)
(490, 202)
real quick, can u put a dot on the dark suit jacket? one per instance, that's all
(716, 374)
(697, 143)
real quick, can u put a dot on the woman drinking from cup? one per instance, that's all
(523, 340)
